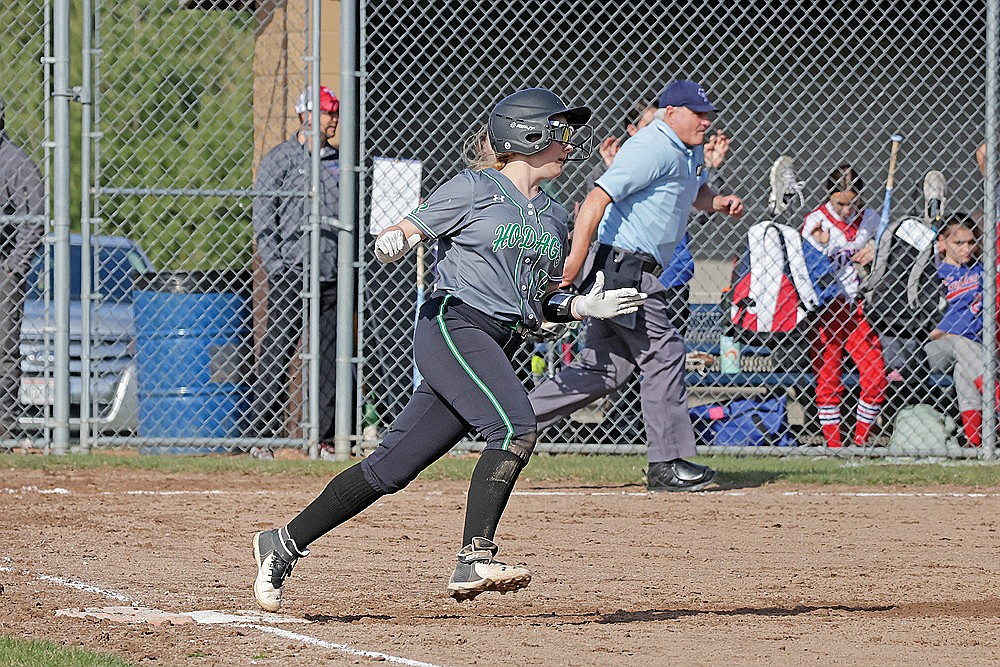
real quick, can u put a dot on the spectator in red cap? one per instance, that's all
(280, 224)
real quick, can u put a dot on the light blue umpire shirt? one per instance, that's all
(652, 183)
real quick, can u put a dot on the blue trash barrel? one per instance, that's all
(193, 348)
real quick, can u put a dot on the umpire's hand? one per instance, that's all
(731, 205)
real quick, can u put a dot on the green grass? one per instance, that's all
(575, 469)
(30, 653)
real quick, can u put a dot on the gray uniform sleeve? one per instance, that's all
(265, 209)
(446, 211)
(28, 199)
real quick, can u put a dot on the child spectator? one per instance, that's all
(844, 229)
(957, 339)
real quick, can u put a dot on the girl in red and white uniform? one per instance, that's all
(844, 229)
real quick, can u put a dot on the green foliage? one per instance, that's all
(29, 653)
(22, 76)
(177, 112)
(174, 104)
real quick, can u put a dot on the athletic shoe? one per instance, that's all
(785, 188)
(276, 554)
(262, 453)
(678, 475)
(934, 186)
(477, 572)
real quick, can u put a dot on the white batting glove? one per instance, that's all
(390, 246)
(604, 305)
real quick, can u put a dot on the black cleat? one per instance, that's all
(678, 475)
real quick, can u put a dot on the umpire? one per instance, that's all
(639, 209)
(279, 220)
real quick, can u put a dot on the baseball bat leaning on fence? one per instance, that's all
(887, 201)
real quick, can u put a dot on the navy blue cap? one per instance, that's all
(684, 93)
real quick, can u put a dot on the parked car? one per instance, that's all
(113, 389)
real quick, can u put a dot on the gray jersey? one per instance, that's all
(497, 251)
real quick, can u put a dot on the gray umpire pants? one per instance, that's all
(611, 355)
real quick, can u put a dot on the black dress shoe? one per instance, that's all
(678, 475)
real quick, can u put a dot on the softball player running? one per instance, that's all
(501, 248)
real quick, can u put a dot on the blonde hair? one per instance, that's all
(478, 154)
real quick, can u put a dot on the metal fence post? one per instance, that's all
(349, 168)
(85, 256)
(313, 61)
(990, 231)
(61, 94)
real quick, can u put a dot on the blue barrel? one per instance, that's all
(193, 351)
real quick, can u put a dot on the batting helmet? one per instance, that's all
(523, 123)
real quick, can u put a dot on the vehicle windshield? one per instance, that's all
(112, 268)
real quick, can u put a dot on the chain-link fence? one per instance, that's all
(826, 85)
(195, 105)
(203, 289)
(25, 320)
(190, 277)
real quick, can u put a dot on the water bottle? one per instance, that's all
(729, 355)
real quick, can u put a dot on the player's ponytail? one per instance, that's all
(478, 154)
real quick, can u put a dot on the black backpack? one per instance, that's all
(903, 294)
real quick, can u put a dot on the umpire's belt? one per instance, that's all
(620, 256)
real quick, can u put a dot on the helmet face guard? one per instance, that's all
(536, 137)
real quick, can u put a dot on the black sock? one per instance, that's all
(345, 496)
(490, 488)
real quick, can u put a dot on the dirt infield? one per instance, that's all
(778, 574)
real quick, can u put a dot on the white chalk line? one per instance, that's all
(817, 494)
(344, 648)
(293, 636)
(805, 494)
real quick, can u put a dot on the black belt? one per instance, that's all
(517, 326)
(649, 263)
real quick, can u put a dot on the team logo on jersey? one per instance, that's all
(515, 235)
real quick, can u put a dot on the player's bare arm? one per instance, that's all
(586, 224)
(395, 241)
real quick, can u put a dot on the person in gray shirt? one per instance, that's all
(22, 207)
(501, 243)
(279, 224)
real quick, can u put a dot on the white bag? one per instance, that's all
(922, 430)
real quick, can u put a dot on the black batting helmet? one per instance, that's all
(523, 123)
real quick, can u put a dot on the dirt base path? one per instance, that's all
(778, 574)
